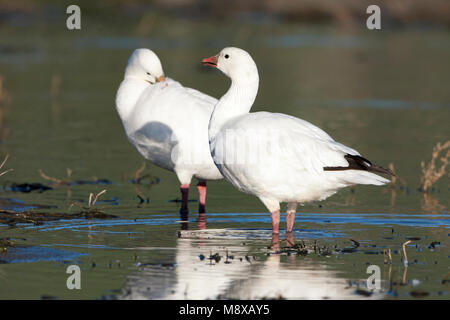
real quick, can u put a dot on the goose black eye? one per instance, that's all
(227, 56)
(148, 73)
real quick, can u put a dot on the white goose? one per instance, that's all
(167, 123)
(274, 156)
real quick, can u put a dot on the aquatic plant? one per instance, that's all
(431, 173)
(90, 211)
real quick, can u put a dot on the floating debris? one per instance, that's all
(27, 187)
(142, 200)
(216, 257)
(355, 243)
(93, 182)
(434, 244)
(11, 218)
(348, 250)
(5, 243)
(419, 294)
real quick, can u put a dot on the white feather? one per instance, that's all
(292, 152)
(168, 124)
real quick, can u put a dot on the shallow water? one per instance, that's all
(384, 94)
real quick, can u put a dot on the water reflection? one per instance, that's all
(217, 264)
(201, 221)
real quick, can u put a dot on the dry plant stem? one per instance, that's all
(404, 275)
(404, 251)
(5, 172)
(430, 172)
(4, 161)
(389, 255)
(139, 171)
(56, 180)
(393, 178)
(46, 177)
(91, 202)
(91, 195)
(2, 164)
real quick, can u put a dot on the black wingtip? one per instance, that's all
(356, 162)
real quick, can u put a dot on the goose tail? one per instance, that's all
(363, 171)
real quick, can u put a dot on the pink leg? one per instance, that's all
(290, 217)
(184, 188)
(201, 187)
(275, 221)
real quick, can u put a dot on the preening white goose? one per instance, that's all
(167, 123)
(274, 156)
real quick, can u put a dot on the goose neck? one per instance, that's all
(236, 102)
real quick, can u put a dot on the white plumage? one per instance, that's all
(166, 122)
(291, 153)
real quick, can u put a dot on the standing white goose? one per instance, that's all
(167, 123)
(274, 156)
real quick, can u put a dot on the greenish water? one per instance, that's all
(382, 93)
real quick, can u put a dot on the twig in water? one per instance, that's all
(404, 275)
(92, 203)
(46, 177)
(2, 164)
(56, 180)
(405, 261)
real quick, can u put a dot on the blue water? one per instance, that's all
(387, 220)
(38, 253)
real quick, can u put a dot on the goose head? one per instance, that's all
(236, 63)
(145, 65)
